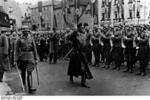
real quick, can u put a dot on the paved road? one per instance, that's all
(54, 81)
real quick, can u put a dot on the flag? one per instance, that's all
(40, 6)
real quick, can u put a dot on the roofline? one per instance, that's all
(60, 7)
(42, 6)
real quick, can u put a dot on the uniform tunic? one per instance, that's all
(26, 52)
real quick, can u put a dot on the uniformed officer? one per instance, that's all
(26, 58)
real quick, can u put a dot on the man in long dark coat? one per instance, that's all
(78, 65)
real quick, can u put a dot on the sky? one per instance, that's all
(29, 1)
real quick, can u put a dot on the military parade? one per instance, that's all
(80, 47)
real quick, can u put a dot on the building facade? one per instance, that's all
(112, 12)
(45, 19)
(26, 13)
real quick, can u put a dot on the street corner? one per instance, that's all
(5, 89)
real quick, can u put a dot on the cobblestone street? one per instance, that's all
(54, 81)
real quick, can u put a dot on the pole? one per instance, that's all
(52, 17)
(68, 54)
(92, 1)
(40, 22)
(23, 87)
(76, 16)
(92, 16)
(99, 9)
(37, 74)
(144, 11)
(62, 21)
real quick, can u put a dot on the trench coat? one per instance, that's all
(78, 64)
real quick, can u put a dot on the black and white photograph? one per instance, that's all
(74, 48)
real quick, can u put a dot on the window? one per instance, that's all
(116, 15)
(122, 14)
(138, 14)
(103, 3)
(130, 14)
(103, 16)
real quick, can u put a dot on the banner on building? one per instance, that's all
(40, 6)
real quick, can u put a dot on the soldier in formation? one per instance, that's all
(124, 44)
